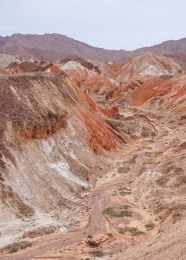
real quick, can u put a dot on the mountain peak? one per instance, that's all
(53, 47)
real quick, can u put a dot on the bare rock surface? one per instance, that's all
(92, 166)
(55, 47)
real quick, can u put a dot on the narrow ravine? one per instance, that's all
(119, 217)
(101, 228)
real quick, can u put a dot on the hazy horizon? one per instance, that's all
(108, 24)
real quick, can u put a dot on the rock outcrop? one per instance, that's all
(94, 155)
(50, 135)
(148, 64)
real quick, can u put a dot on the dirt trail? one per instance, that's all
(99, 198)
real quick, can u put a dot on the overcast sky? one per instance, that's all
(111, 24)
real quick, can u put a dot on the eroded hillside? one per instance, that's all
(94, 154)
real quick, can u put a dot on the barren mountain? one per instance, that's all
(148, 64)
(6, 59)
(167, 47)
(53, 47)
(173, 49)
(179, 57)
(92, 160)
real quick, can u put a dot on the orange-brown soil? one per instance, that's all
(93, 165)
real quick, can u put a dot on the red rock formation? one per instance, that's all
(31, 66)
(153, 87)
(56, 132)
(53, 68)
(147, 65)
(43, 128)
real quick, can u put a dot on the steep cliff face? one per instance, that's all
(50, 135)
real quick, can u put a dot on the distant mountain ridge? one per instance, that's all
(53, 47)
(166, 47)
(174, 49)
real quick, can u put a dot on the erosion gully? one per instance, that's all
(100, 227)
